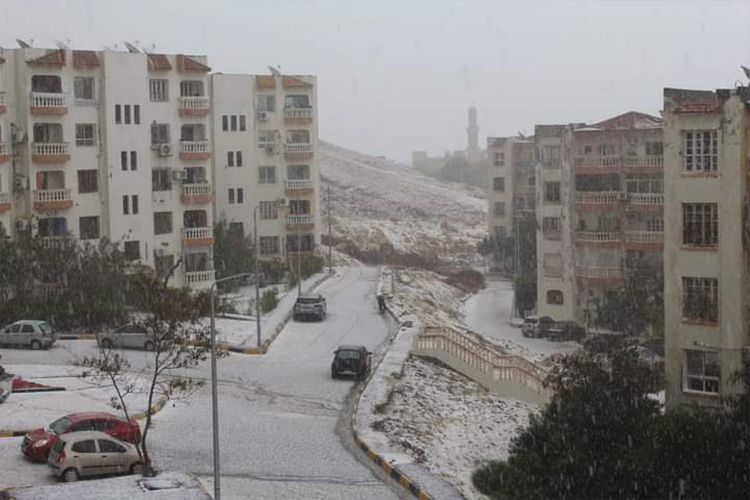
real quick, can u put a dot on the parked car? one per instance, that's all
(566, 330)
(92, 453)
(353, 360)
(33, 333)
(132, 335)
(310, 306)
(37, 443)
(536, 326)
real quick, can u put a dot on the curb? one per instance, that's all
(76, 336)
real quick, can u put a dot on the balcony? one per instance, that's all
(644, 240)
(195, 150)
(597, 164)
(54, 241)
(194, 106)
(598, 275)
(5, 201)
(3, 104)
(298, 188)
(646, 202)
(298, 115)
(46, 104)
(299, 222)
(50, 152)
(197, 193)
(598, 200)
(599, 239)
(50, 200)
(651, 164)
(4, 152)
(298, 151)
(200, 279)
(198, 236)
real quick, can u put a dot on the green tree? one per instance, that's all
(526, 282)
(233, 251)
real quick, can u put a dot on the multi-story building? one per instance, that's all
(707, 146)
(110, 144)
(265, 137)
(599, 200)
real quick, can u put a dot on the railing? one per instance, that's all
(300, 219)
(196, 277)
(204, 189)
(54, 241)
(650, 161)
(598, 272)
(597, 197)
(485, 363)
(293, 147)
(646, 198)
(188, 147)
(197, 103)
(48, 100)
(298, 185)
(553, 272)
(48, 195)
(298, 112)
(197, 233)
(50, 148)
(646, 237)
(597, 237)
(597, 161)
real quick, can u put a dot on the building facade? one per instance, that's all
(707, 135)
(599, 209)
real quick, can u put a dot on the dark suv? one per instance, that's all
(566, 330)
(351, 360)
(309, 306)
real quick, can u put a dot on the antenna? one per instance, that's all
(274, 71)
(23, 44)
(132, 48)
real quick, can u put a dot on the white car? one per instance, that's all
(92, 453)
(33, 333)
(132, 335)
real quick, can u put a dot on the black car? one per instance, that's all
(352, 360)
(566, 330)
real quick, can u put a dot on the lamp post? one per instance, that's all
(257, 273)
(214, 389)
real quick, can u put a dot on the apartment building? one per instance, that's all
(110, 144)
(599, 205)
(265, 136)
(707, 139)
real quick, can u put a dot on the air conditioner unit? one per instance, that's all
(282, 202)
(179, 175)
(165, 149)
(262, 116)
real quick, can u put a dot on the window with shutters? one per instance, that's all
(83, 88)
(158, 89)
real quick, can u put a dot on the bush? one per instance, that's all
(270, 300)
(273, 270)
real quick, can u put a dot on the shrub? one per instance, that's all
(270, 300)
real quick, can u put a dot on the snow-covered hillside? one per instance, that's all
(377, 203)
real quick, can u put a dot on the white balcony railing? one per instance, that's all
(590, 272)
(51, 195)
(197, 103)
(650, 161)
(597, 237)
(646, 198)
(197, 233)
(54, 241)
(198, 277)
(294, 147)
(189, 147)
(48, 100)
(298, 185)
(598, 197)
(300, 219)
(645, 237)
(203, 189)
(50, 148)
(298, 112)
(597, 161)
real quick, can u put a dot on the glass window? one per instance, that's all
(107, 446)
(298, 172)
(498, 184)
(230, 158)
(27, 329)
(127, 114)
(267, 175)
(243, 123)
(161, 179)
(159, 133)
(269, 245)
(225, 123)
(159, 90)
(137, 114)
(88, 181)
(700, 299)
(267, 103)
(700, 224)
(134, 204)
(88, 228)
(123, 160)
(83, 88)
(240, 195)
(118, 114)
(134, 160)
(552, 192)
(554, 297)
(499, 210)
(87, 446)
(162, 222)
(233, 121)
(701, 371)
(699, 151)
(231, 196)
(238, 158)
(268, 210)
(85, 134)
(132, 250)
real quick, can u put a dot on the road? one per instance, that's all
(278, 412)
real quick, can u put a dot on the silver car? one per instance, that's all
(132, 335)
(92, 453)
(33, 333)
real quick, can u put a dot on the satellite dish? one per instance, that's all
(61, 45)
(274, 71)
(132, 48)
(746, 70)
(23, 44)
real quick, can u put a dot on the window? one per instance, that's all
(133, 160)
(499, 210)
(231, 196)
(225, 123)
(266, 137)
(49, 84)
(240, 195)
(85, 134)
(267, 103)
(134, 203)
(552, 192)
(160, 133)
(700, 299)
(88, 228)
(230, 158)
(269, 245)
(298, 137)
(267, 175)
(238, 158)
(498, 159)
(550, 156)
(158, 90)
(87, 446)
(268, 210)
(655, 225)
(242, 123)
(655, 148)
(298, 172)
(606, 149)
(132, 250)
(297, 101)
(498, 184)
(554, 297)
(125, 205)
(552, 228)
(233, 121)
(701, 371)
(127, 114)
(88, 181)
(191, 88)
(163, 264)
(699, 151)
(552, 265)
(161, 179)
(83, 88)
(118, 114)
(124, 160)
(137, 114)
(107, 446)
(700, 224)
(299, 207)
(644, 184)
(162, 222)
(300, 242)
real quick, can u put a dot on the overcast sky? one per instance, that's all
(396, 76)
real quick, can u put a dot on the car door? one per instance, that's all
(84, 454)
(112, 456)
(8, 336)
(121, 336)
(140, 336)
(26, 334)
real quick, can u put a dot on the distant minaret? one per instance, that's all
(473, 130)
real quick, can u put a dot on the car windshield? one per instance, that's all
(60, 425)
(303, 300)
(45, 328)
(348, 354)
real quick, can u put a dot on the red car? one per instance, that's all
(37, 443)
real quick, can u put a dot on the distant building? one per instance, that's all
(707, 139)
(600, 199)
(473, 154)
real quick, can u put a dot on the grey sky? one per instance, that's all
(398, 76)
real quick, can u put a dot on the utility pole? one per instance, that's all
(328, 208)
(257, 273)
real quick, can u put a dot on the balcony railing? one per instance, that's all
(298, 185)
(52, 196)
(597, 237)
(646, 198)
(650, 161)
(599, 273)
(200, 277)
(48, 100)
(196, 106)
(4, 201)
(597, 161)
(295, 147)
(300, 219)
(198, 235)
(298, 112)
(193, 147)
(197, 193)
(54, 241)
(598, 197)
(645, 237)
(51, 149)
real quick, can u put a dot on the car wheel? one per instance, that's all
(70, 475)
(36, 345)
(107, 344)
(149, 346)
(137, 469)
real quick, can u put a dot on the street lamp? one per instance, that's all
(214, 390)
